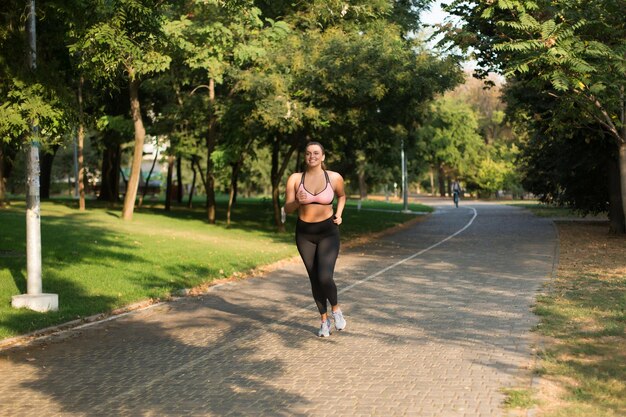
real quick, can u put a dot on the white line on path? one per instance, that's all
(137, 388)
(382, 271)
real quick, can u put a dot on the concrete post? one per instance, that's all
(34, 299)
(405, 188)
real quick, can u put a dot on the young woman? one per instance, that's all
(312, 193)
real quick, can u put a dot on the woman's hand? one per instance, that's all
(301, 196)
(337, 220)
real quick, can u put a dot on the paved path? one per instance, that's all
(438, 322)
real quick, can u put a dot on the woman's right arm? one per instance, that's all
(291, 203)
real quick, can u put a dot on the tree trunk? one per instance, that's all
(195, 161)
(8, 159)
(211, 142)
(298, 161)
(140, 135)
(168, 188)
(81, 167)
(622, 154)
(2, 179)
(441, 177)
(234, 180)
(275, 180)
(193, 183)
(179, 179)
(622, 173)
(236, 168)
(147, 183)
(362, 185)
(617, 221)
(432, 181)
(361, 171)
(276, 176)
(124, 179)
(110, 182)
(81, 144)
(46, 172)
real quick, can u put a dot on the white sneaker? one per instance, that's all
(340, 322)
(324, 329)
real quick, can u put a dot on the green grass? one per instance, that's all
(545, 210)
(518, 398)
(386, 205)
(97, 263)
(586, 315)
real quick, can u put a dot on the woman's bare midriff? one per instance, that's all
(313, 213)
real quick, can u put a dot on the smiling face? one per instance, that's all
(314, 155)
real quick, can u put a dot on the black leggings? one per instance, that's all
(318, 244)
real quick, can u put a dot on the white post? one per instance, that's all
(76, 195)
(34, 299)
(405, 188)
(33, 226)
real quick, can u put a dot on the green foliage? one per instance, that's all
(28, 106)
(126, 37)
(450, 138)
(374, 87)
(568, 59)
(577, 47)
(575, 178)
(35, 96)
(120, 126)
(491, 175)
(339, 72)
(566, 159)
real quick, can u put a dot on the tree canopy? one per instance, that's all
(570, 53)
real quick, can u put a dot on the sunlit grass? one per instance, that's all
(584, 317)
(545, 210)
(97, 263)
(518, 398)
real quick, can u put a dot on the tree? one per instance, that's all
(112, 132)
(374, 87)
(126, 39)
(214, 39)
(577, 177)
(496, 170)
(451, 143)
(576, 47)
(567, 160)
(281, 109)
(30, 96)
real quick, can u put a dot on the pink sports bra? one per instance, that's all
(325, 197)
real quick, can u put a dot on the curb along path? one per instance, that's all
(438, 322)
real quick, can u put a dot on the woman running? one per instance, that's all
(317, 231)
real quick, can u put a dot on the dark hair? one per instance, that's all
(311, 143)
(316, 143)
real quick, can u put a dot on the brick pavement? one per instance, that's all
(437, 335)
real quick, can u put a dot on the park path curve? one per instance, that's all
(438, 317)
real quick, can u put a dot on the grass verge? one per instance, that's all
(583, 321)
(544, 210)
(98, 263)
(581, 369)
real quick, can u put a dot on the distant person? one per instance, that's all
(456, 192)
(312, 193)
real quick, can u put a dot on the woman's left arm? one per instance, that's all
(341, 197)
